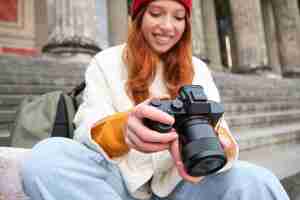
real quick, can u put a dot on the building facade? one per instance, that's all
(258, 36)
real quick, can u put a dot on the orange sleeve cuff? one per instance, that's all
(108, 133)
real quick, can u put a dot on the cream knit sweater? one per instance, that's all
(105, 95)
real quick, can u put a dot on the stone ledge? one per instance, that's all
(10, 181)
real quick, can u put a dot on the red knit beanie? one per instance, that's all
(138, 4)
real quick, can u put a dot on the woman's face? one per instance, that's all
(163, 24)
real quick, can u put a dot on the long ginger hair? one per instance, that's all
(142, 61)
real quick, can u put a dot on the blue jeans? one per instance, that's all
(63, 169)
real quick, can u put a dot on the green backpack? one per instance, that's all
(48, 115)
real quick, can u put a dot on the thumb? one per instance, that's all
(174, 150)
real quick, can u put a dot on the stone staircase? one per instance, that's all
(264, 116)
(23, 76)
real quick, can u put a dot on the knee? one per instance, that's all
(246, 179)
(248, 172)
(44, 156)
(246, 175)
(242, 174)
(53, 145)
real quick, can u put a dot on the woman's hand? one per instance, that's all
(140, 137)
(174, 150)
(143, 139)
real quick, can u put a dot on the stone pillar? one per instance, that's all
(73, 28)
(117, 21)
(249, 35)
(102, 24)
(40, 7)
(211, 35)
(288, 24)
(271, 39)
(198, 36)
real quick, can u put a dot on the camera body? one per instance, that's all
(195, 116)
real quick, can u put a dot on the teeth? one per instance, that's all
(163, 39)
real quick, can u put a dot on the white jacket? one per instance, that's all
(105, 95)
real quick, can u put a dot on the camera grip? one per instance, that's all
(157, 126)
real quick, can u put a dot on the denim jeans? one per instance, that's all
(63, 169)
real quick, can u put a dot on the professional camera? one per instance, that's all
(195, 117)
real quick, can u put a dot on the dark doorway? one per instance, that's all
(225, 32)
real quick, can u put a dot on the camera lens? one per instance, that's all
(203, 166)
(201, 150)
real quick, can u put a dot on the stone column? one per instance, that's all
(117, 21)
(271, 39)
(249, 35)
(211, 35)
(73, 28)
(40, 8)
(102, 24)
(198, 37)
(288, 24)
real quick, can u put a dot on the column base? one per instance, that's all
(292, 72)
(259, 69)
(71, 46)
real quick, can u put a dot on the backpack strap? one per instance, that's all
(75, 92)
(77, 89)
(66, 110)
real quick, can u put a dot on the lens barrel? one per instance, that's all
(203, 157)
(201, 150)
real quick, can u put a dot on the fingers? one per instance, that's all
(150, 112)
(147, 135)
(135, 142)
(174, 150)
(182, 172)
(143, 139)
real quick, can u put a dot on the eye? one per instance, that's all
(155, 13)
(179, 18)
(180, 15)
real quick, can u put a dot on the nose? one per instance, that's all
(167, 23)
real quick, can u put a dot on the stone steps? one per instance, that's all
(253, 138)
(21, 76)
(282, 159)
(246, 81)
(39, 79)
(262, 113)
(4, 134)
(266, 92)
(258, 98)
(34, 65)
(263, 119)
(6, 89)
(7, 116)
(256, 107)
(10, 102)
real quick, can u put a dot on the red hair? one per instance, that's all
(141, 61)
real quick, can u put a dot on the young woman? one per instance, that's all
(114, 155)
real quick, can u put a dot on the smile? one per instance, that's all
(161, 39)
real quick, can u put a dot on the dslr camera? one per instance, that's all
(195, 116)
